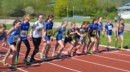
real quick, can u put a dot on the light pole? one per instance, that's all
(67, 11)
(73, 11)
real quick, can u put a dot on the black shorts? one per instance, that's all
(92, 35)
(14, 43)
(67, 39)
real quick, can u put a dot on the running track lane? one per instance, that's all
(85, 68)
(80, 63)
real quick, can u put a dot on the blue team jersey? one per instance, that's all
(108, 28)
(24, 30)
(93, 29)
(60, 33)
(2, 36)
(69, 31)
(86, 30)
(100, 25)
(14, 35)
(49, 26)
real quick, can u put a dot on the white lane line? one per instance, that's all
(121, 54)
(22, 70)
(64, 67)
(114, 47)
(109, 66)
(101, 65)
(56, 65)
(112, 59)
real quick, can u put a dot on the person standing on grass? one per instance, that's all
(24, 27)
(37, 32)
(93, 36)
(13, 33)
(48, 33)
(108, 31)
(120, 33)
(3, 35)
(61, 33)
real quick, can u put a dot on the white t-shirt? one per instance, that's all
(37, 29)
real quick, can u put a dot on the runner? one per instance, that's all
(13, 33)
(108, 31)
(24, 27)
(61, 33)
(93, 36)
(37, 32)
(48, 33)
(120, 33)
(3, 36)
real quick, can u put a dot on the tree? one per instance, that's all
(60, 7)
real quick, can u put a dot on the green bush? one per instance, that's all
(112, 15)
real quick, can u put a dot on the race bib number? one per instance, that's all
(23, 33)
(70, 35)
(81, 38)
(15, 38)
(49, 32)
(109, 27)
(94, 32)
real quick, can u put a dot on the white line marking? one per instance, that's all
(122, 54)
(54, 65)
(64, 67)
(101, 65)
(112, 59)
(22, 70)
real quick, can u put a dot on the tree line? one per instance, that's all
(18, 8)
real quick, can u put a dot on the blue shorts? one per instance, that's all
(47, 38)
(120, 33)
(59, 37)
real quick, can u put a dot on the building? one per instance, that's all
(124, 11)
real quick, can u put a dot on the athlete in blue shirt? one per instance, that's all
(109, 29)
(13, 33)
(24, 27)
(3, 34)
(71, 38)
(48, 33)
(93, 35)
(61, 33)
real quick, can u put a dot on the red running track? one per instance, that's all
(113, 61)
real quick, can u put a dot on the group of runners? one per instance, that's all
(84, 39)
